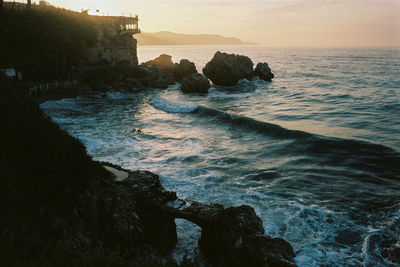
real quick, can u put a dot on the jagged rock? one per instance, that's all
(172, 72)
(160, 62)
(186, 68)
(227, 69)
(125, 77)
(195, 83)
(235, 236)
(230, 237)
(112, 47)
(134, 84)
(264, 72)
(159, 225)
(148, 76)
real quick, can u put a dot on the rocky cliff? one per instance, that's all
(48, 43)
(60, 208)
(112, 47)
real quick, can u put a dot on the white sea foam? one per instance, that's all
(189, 152)
(167, 106)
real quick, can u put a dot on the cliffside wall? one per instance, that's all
(113, 46)
(46, 43)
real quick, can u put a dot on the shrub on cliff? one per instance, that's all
(50, 195)
(39, 162)
(45, 42)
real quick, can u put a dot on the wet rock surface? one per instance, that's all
(160, 62)
(230, 236)
(195, 83)
(170, 71)
(227, 69)
(348, 237)
(264, 72)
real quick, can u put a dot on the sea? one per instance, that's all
(316, 152)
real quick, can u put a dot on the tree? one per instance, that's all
(29, 3)
(1, 4)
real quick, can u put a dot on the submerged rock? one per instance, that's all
(195, 83)
(264, 72)
(348, 237)
(227, 69)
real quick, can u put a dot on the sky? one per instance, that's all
(265, 22)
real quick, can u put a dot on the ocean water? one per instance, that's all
(316, 152)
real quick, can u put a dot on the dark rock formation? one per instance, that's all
(195, 83)
(348, 237)
(59, 207)
(123, 78)
(150, 195)
(230, 237)
(186, 68)
(264, 72)
(172, 72)
(160, 62)
(151, 77)
(227, 69)
(113, 48)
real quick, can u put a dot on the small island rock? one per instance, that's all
(186, 68)
(170, 71)
(195, 82)
(227, 69)
(264, 72)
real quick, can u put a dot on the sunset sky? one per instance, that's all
(266, 22)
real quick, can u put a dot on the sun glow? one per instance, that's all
(271, 22)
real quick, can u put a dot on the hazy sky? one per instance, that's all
(268, 22)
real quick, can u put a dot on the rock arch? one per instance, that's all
(231, 236)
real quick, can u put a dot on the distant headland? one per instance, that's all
(171, 38)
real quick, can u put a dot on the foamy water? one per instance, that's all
(315, 152)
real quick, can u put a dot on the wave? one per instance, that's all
(357, 154)
(172, 107)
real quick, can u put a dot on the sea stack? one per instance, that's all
(227, 69)
(195, 83)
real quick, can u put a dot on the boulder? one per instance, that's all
(159, 226)
(150, 76)
(227, 69)
(235, 236)
(264, 72)
(172, 72)
(230, 236)
(186, 68)
(123, 77)
(195, 82)
(160, 62)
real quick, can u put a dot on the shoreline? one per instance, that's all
(110, 206)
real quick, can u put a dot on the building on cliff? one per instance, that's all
(115, 42)
(49, 43)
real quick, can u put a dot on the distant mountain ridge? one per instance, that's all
(171, 38)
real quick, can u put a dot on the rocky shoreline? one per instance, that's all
(223, 70)
(231, 236)
(116, 208)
